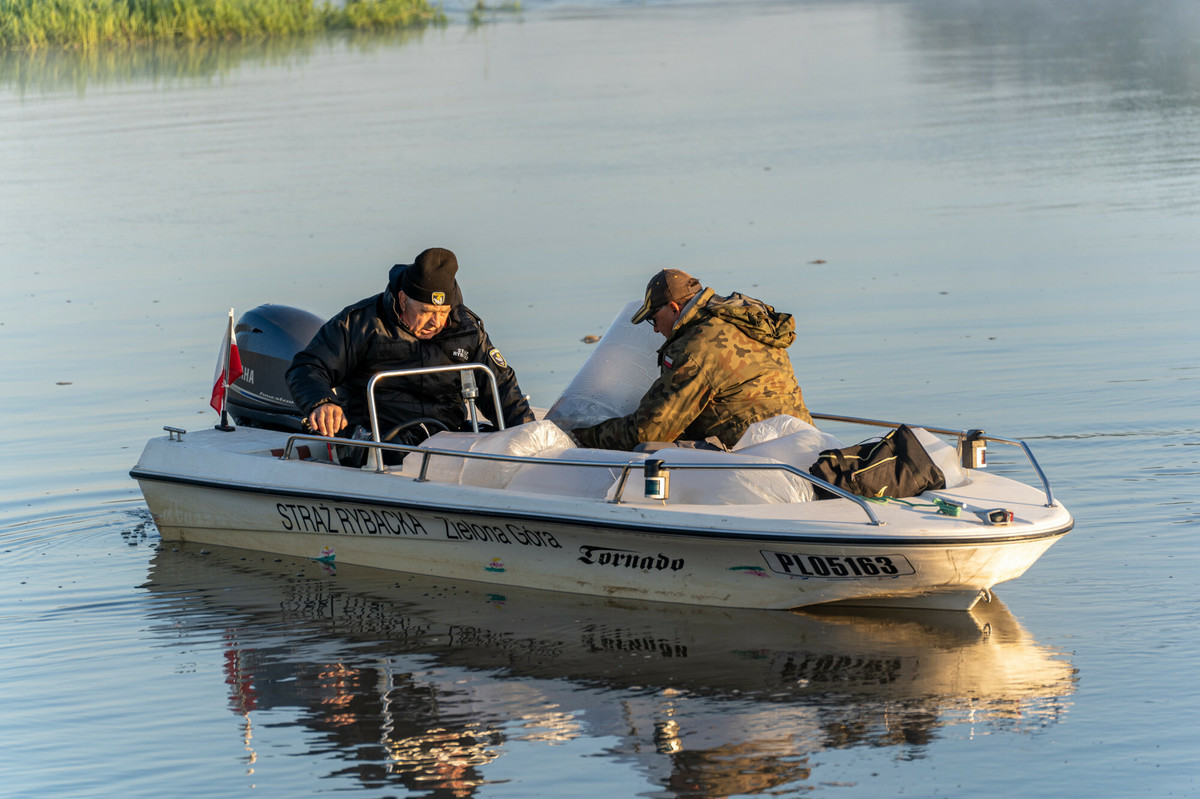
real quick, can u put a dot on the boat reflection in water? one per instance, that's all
(421, 682)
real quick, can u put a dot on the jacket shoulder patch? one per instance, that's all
(497, 358)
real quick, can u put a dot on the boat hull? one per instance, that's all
(702, 556)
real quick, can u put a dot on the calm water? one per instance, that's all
(982, 214)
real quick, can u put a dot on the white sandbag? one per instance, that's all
(944, 456)
(799, 444)
(585, 482)
(532, 439)
(787, 440)
(718, 486)
(614, 377)
(442, 468)
(770, 429)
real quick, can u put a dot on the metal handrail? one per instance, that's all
(427, 370)
(960, 434)
(1050, 503)
(625, 468)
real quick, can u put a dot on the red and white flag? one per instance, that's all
(229, 367)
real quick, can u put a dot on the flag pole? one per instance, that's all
(227, 377)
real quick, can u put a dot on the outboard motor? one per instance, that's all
(267, 338)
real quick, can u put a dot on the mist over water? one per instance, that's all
(981, 214)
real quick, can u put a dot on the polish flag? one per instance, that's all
(229, 367)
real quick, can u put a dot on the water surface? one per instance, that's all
(982, 215)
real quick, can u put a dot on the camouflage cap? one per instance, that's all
(669, 285)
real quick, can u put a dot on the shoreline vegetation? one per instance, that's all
(30, 25)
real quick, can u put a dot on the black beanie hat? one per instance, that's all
(430, 279)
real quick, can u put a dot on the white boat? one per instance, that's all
(525, 507)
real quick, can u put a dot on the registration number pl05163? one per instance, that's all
(837, 566)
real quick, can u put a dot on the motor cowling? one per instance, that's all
(267, 339)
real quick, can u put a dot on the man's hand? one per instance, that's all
(327, 419)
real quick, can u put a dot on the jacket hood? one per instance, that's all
(754, 318)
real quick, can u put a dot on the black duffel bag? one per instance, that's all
(893, 466)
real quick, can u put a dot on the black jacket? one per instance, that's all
(367, 337)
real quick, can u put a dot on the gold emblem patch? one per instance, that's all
(497, 358)
(438, 297)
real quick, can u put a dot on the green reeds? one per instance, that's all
(32, 24)
(482, 12)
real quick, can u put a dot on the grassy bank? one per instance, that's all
(84, 24)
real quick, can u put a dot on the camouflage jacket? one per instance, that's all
(723, 367)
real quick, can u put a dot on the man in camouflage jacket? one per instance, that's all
(723, 367)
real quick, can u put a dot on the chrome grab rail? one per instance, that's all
(960, 434)
(625, 468)
(427, 370)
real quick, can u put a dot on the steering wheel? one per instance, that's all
(411, 423)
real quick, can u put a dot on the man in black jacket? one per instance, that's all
(418, 320)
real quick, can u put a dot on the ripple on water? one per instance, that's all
(76, 643)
